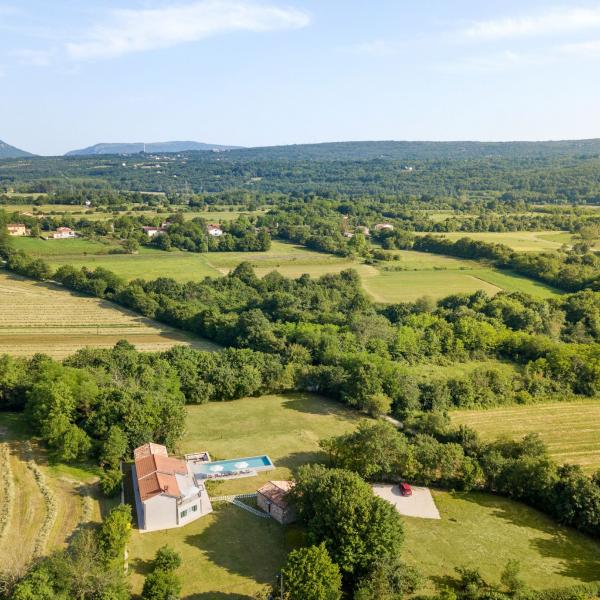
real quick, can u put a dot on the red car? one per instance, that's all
(405, 489)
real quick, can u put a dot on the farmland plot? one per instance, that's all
(36, 317)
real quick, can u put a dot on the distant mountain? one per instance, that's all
(151, 148)
(409, 150)
(8, 151)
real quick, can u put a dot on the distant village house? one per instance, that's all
(214, 230)
(272, 498)
(63, 233)
(384, 226)
(17, 229)
(364, 230)
(154, 231)
(167, 494)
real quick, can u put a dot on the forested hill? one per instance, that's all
(137, 147)
(8, 151)
(407, 150)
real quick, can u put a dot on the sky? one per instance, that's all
(267, 72)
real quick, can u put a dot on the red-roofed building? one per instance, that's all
(167, 494)
(273, 499)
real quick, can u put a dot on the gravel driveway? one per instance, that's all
(420, 504)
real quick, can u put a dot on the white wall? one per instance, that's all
(160, 512)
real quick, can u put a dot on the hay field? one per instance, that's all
(37, 317)
(41, 504)
(437, 276)
(289, 259)
(570, 429)
(49, 249)
(520, 241)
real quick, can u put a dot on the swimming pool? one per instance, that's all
(233, 466)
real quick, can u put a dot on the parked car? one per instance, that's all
(405, 489)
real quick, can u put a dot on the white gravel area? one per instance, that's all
(420, 504)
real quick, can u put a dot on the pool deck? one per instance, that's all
(202, 470)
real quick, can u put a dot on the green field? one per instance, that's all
(570, 429)
(521, 241)
(436, 276)
(422, 274)
(484, 531)
(288, 259)
(62, 249)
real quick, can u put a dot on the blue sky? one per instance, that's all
(263, 72)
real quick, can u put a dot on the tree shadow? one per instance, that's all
(296, 459)
(242, 544)
(314, 404)
(578, 554)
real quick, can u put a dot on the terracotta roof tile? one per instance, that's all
(275, 492)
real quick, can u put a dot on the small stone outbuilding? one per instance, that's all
(272, 498)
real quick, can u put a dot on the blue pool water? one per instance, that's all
(256, 463)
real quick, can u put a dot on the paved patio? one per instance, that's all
(420, 504)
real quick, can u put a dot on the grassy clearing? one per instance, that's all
(422, 274)
(437, 276)
(73, 490)
(290, 260)
(570, 429)
(231, 553)
(61, 248)
(484, 531)
(38, 317)
(521, 241)
(406, 286)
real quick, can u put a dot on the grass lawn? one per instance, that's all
(485, 531)
(73, 489)
(231, 553)
(570, 429)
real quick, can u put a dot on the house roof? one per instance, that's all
(12, 225)
(156, 471)
(148, 449)
(275, 492)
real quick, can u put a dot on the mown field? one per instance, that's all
(521, 241)
(485, 531)
(38, 317)
(231, 553)
(419, 274)
(414, 275)
(41, 504)
(570, 429)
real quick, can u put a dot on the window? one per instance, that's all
(195, 508)
(183, 514)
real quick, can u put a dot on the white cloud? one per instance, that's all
(33, 58)
(552, 22)
(148, 29)
(500, 61)
(375, 48)
(589, 49)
